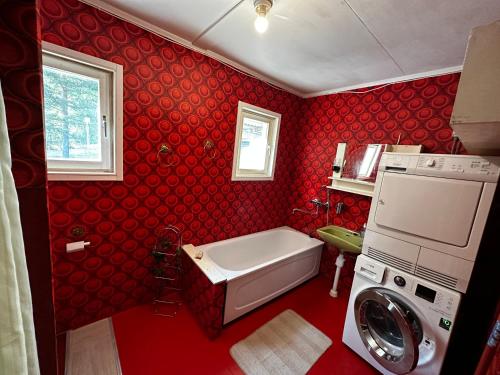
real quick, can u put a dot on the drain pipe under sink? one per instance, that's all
(339, 262)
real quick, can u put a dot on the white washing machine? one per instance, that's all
(398, 322)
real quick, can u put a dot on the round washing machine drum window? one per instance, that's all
(389, 329)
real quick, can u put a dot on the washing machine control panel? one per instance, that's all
(446, 303)
(426, 293)
(439, 300)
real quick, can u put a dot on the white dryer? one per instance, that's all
(428, 214)
(398, 322)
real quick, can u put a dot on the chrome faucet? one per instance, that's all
(338, 207)
(318, 203)
(313, 213)
(362, 231)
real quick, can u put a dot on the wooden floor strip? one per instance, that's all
(91, 350)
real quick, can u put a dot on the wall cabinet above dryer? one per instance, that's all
(476, 113)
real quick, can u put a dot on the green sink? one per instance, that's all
(342, 238)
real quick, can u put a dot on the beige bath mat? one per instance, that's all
(91, 350)
(287, 344)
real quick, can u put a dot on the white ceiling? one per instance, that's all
(314, 47)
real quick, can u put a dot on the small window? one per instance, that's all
(83, 109)
(256, 143)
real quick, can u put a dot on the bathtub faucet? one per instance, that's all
(316, 203)
(313, 213)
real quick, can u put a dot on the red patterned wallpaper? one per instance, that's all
(21, 86)
(418, 111)
(20, 74)
(175, 96)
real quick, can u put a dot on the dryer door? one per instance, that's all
(439, 209)
(390, 330)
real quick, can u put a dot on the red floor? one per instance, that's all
(150, 344)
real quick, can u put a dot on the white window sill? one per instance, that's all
(252, 178)
(65, 176)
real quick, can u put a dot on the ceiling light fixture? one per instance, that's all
(262, 8)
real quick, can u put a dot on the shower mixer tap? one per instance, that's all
(318, 203)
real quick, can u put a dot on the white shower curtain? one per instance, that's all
(18, 353)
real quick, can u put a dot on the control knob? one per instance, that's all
(399, 281)
(430, 163)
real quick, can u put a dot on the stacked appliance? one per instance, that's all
(424, 229)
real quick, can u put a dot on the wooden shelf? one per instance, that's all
(352, 186)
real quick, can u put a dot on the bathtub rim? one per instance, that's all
(217, 274)
(235, 274)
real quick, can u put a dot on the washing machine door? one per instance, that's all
(390, 330)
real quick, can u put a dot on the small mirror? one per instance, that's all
(361, 161)
(355, 166)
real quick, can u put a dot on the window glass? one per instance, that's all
(254, 138)
(384, 328)
(83, 115)
(72, 114)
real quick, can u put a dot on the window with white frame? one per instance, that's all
(256, 143)
(83, 115)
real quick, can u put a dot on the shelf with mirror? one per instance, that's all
(355, 166)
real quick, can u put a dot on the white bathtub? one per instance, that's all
(260, 266)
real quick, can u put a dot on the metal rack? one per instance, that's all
(167, 270)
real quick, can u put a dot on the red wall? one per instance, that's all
(419, 111)
(176, 96)
(21, 85)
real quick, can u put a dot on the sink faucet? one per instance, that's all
(362, 231)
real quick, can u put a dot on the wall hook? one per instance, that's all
(209, 148)
(77, 231)
(167, 154)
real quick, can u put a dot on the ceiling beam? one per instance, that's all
(379, 42)
(213, 24)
